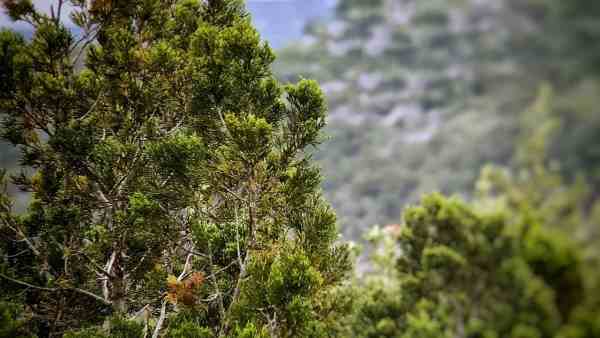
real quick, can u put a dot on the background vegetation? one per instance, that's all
(423, 94)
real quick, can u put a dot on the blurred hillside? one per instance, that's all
(423, 93)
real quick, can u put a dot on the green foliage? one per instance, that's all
(172, 184)
(482, 274)
(117, 327)
(174, 192)
(545, 183)
(184, 326)
(12, 324)
(250, 331)
(178, 155)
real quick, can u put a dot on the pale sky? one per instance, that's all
(279, 21)
(40, 4)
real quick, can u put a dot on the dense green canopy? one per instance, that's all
(174, 192)
(172, 177)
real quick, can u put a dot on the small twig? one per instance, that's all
(237, 238)
(216, 272)
(85, 45)
(186, 267)
(216, 284)
(176, 127)
(92, 107)
(7, 220)
(93, 295)
(56, 16)
(78, 290)
(236, 195)
(109, 265)
(17, 254)
(161, 319)
(27, 284)
(196, 253)
(97, 266)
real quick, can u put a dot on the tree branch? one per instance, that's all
(186, 267)
(16, 281)
(6, 220)
(97, 266)
(161, 319)
(78, 290)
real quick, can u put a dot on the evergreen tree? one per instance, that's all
(462, 272)
(554, 173)
(172, 179)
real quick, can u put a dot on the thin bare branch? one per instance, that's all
(78, 290)
(99, 268)
(161, 319)
(187, 266)
(9, 223)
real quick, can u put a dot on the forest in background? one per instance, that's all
(223, 232)
(423, 94)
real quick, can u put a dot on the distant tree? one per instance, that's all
(172, 178)
(555, 171)
(422, 94)
(565, 32)
(445, 83)
(461, 272)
